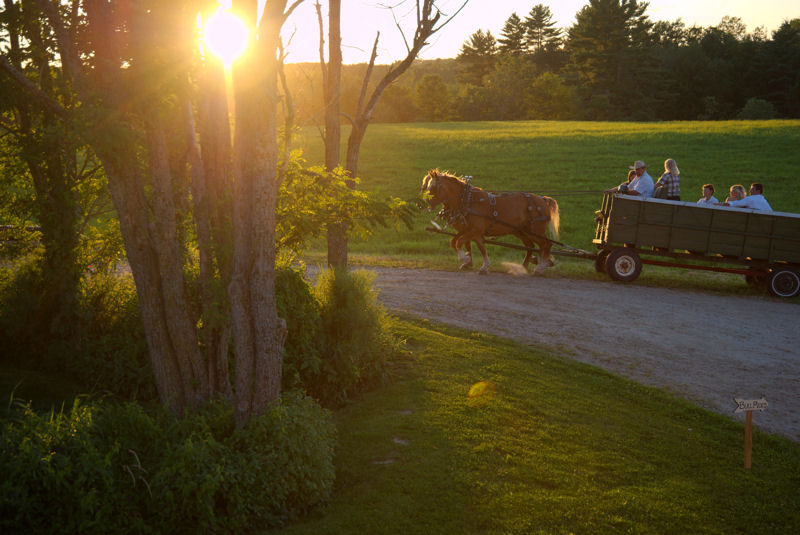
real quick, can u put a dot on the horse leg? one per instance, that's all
(485, 267)
(529, 256)
(545, 259)
(467, 256)
(464, 256)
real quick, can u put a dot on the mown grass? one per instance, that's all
(543, 445)
(560, 158)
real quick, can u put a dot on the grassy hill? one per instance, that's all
(564, 160)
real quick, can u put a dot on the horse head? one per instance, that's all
(436, 188)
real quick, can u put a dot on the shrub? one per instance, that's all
(356, 343)
(20, 288)
(757, 109)
(117, 469)
(105, 349)
(53, 477)
(113, 355)
(302, 360)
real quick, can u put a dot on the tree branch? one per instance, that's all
(367, 75)
(289, 11)
(69, 57)
(32, 89)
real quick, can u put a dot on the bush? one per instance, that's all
(357, 344)
(53, 476)
(117, 469)
(113, 355)
(20, 334)
(105, 348)
(338, 341)
(302, 359)
(757, 109)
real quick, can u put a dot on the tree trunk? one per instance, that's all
(337, 232)
(211, 192)
(259, 333)
(121, 164)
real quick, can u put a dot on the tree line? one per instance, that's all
(613, 63)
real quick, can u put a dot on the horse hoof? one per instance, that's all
(463, 267)
(544, 265)
(483, 271)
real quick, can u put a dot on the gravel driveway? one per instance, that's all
(706, 348)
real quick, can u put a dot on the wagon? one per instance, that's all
(762, 246)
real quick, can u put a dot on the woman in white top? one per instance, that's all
(708, 195)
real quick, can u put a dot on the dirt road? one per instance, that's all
(704, 347)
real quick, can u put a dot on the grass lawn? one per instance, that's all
(565, 160)
(477, 434)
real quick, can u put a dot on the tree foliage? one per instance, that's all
(541, 33)
(133, 87)
(477, 57)
(512, 37)
(620, 64)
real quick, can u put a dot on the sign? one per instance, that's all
(750, 404)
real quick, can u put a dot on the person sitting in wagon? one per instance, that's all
(708, 195)
(754, 201)
(670, 181)
(736, 193)
(641, 184)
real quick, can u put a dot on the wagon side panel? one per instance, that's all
(692, 226)
(727, 232)
(785, 245)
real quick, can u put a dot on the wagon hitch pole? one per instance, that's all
(573, 252)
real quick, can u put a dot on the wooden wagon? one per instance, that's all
(763, 246)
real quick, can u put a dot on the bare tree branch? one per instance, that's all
(368, 75)
(318, 7)
(289, 11)
(32, 89)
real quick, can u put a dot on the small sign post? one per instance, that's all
(749, 405)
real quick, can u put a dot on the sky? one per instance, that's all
(361, 19)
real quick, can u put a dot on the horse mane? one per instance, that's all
(447, 174)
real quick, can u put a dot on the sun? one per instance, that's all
(225, 36)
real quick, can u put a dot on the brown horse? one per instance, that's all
(475, 214)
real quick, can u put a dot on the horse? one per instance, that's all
(475, 214)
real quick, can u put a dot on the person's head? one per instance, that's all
(756, 188)
(639, 167)
(671, 167)
(708, 190)
(737, 192)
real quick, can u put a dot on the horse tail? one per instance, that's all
(555, 219)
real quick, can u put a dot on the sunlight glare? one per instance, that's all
(226, 36)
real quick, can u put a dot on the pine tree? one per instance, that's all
(540, 31)
(477, 57)
(609, 54)
(513, 37)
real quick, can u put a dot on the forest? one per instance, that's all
(614, 64)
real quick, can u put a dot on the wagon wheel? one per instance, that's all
(784, 282)
(600, 261)
(623, 264)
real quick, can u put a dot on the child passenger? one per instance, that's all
(708, 195)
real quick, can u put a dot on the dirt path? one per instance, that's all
(706, 348)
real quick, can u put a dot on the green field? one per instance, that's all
(560, 158)
(477, 434)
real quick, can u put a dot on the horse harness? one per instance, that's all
(458, 214)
